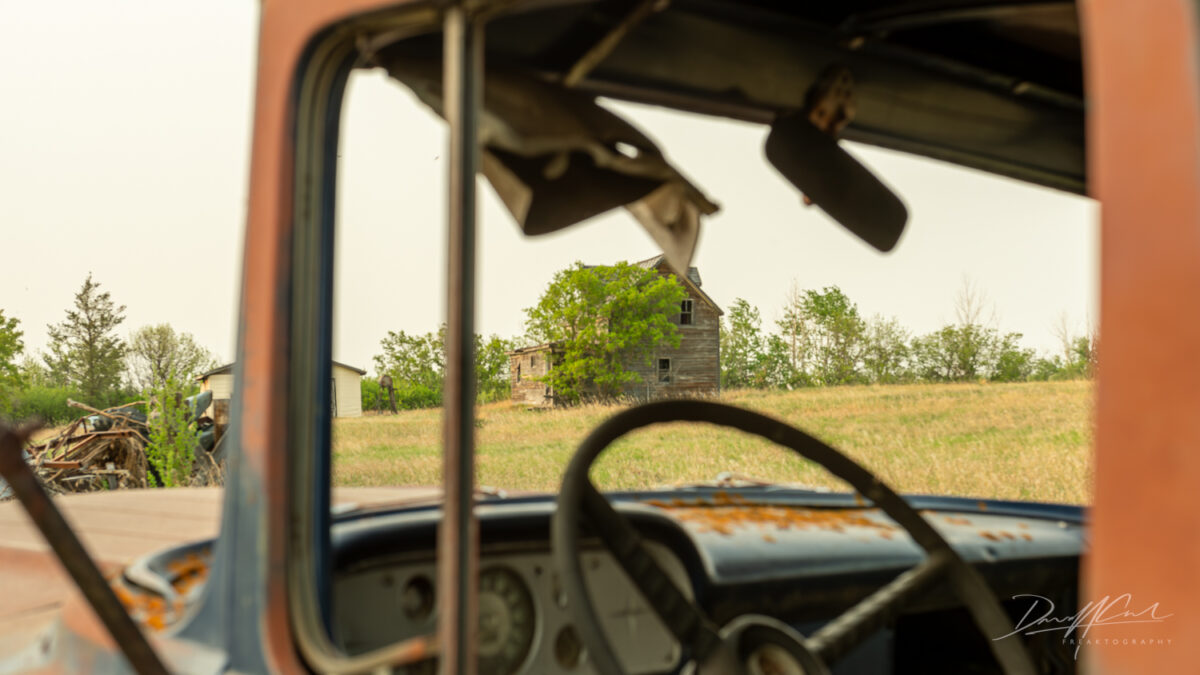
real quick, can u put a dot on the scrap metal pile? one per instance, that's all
(107, 450)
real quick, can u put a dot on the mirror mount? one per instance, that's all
(803, 147)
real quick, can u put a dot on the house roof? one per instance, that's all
(228, 367)
(545, 346)
(693, 274)
(692, 280)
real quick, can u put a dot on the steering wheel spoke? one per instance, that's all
(686, 621)
(836, 638)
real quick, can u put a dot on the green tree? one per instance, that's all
(417, 366)
(33, 372)
(957, 353)
(741, 346)
(11, 347)
(774, 368)
(491, 368)
(173, 439)
(157, 353)
(885, 350)
(933, 355)
(836, 331)
(794, 331)
(413, 360)
(604, 318)
(1046, 369)
(85, 352)
(1013, 362)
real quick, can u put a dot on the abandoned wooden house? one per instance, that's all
(692, 369)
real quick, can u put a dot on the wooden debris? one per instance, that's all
(84, 459)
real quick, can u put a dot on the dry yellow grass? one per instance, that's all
(1029, 441)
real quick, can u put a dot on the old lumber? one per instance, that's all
(107, 449)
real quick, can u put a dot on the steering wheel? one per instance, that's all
(753, 643)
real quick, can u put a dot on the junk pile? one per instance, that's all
(106, 450)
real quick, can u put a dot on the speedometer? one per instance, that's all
(506, 621)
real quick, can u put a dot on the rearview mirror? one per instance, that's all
(835, 181)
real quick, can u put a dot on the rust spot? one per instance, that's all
(1023, 526)
(1026, 536)
(982, 506)
(769, 539)
(956, 521)
(152, 610)
(988, 535)
(858, 499)
(725, 513)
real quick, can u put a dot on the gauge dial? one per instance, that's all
(506, 621)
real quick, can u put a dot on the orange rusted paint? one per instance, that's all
(152, 610)
(1143, 90)
(285, 28)
(725, 513)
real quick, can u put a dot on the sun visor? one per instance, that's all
(556, 157)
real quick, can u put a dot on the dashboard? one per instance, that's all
(801, 557)
(524, 619)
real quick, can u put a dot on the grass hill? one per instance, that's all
(1029, 441)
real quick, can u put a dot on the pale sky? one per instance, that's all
(125, 152)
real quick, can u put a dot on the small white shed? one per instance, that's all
(347, 387)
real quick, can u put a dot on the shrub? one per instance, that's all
(414, 396)
(47, 404)
(173, 439)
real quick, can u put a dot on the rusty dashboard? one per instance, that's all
(797, 555)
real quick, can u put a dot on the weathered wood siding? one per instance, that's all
(695, 364)
(524, 367)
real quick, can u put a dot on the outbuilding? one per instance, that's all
(347, 388)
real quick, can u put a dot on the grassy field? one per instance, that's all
(1018, 441)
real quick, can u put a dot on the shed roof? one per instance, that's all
(228, 367)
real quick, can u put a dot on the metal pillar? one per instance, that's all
(458, 540)
(73, 556)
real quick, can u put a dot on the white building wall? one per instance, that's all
(348, 385)
(220, 384)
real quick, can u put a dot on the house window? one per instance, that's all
(518, 372)
(533, 360)
(685, 313)
(664, 371)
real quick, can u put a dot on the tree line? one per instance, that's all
(602, 318)
(822, 339)
(87, 359)
(417, 365)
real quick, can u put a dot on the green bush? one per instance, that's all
(372, 394)
(414, 396)
(173, 440)
(47, 404)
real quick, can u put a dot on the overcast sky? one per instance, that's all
(125, 150)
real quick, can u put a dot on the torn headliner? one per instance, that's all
(992, 86)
